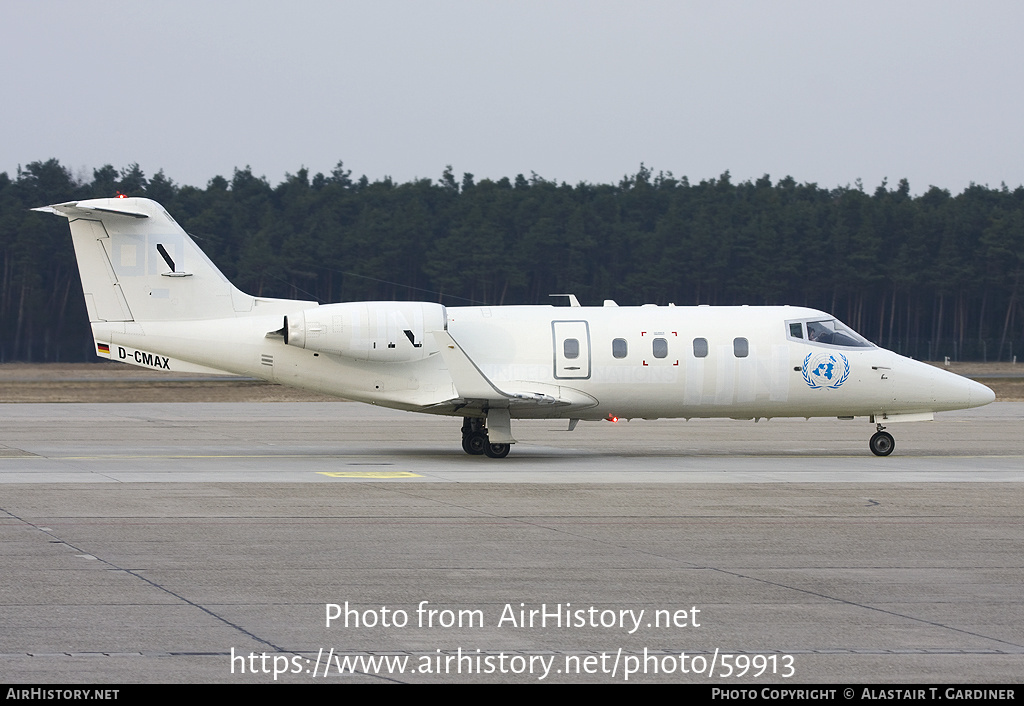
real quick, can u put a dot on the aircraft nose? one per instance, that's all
(952, 391)
(980, 394)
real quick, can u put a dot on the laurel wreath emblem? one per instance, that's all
(815, 385)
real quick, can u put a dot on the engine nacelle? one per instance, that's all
(386, 332)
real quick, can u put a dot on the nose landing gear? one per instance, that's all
(881, 442)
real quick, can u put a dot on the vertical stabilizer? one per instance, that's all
(137, 264)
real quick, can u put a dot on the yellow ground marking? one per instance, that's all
(370, 474)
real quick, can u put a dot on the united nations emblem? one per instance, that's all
(824, 370)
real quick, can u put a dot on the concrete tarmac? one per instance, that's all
(207, 543)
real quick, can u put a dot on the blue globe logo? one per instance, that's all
(825, 370)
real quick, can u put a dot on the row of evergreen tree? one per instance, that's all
(929, 276)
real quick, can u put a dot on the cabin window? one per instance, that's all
(796, 330)
(700, 348)
(619, 348)
(571, 348)
(740, 347)
(660, 348)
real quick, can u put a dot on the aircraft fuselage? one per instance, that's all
(646, 361)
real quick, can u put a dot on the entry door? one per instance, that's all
(571, 342)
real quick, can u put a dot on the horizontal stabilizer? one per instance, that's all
(72, 209)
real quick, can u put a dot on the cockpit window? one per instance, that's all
(830, 332)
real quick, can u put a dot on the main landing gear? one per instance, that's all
(882, 442)
(476, 443)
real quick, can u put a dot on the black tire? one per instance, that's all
(497, 450)
(474, 443)
(882, 443)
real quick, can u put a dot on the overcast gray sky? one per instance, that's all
(827, 92)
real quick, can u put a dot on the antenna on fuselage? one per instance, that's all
(573, 301)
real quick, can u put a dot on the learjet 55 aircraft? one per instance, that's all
(155, 300)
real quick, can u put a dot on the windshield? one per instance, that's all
(831, 332)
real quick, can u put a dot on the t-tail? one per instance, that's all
(140, 269)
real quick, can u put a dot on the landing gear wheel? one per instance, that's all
(882, 443)
(497, 450)
(475, 443)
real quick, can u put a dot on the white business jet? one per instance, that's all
(155, 300)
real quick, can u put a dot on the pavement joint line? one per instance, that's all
(137, 575)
